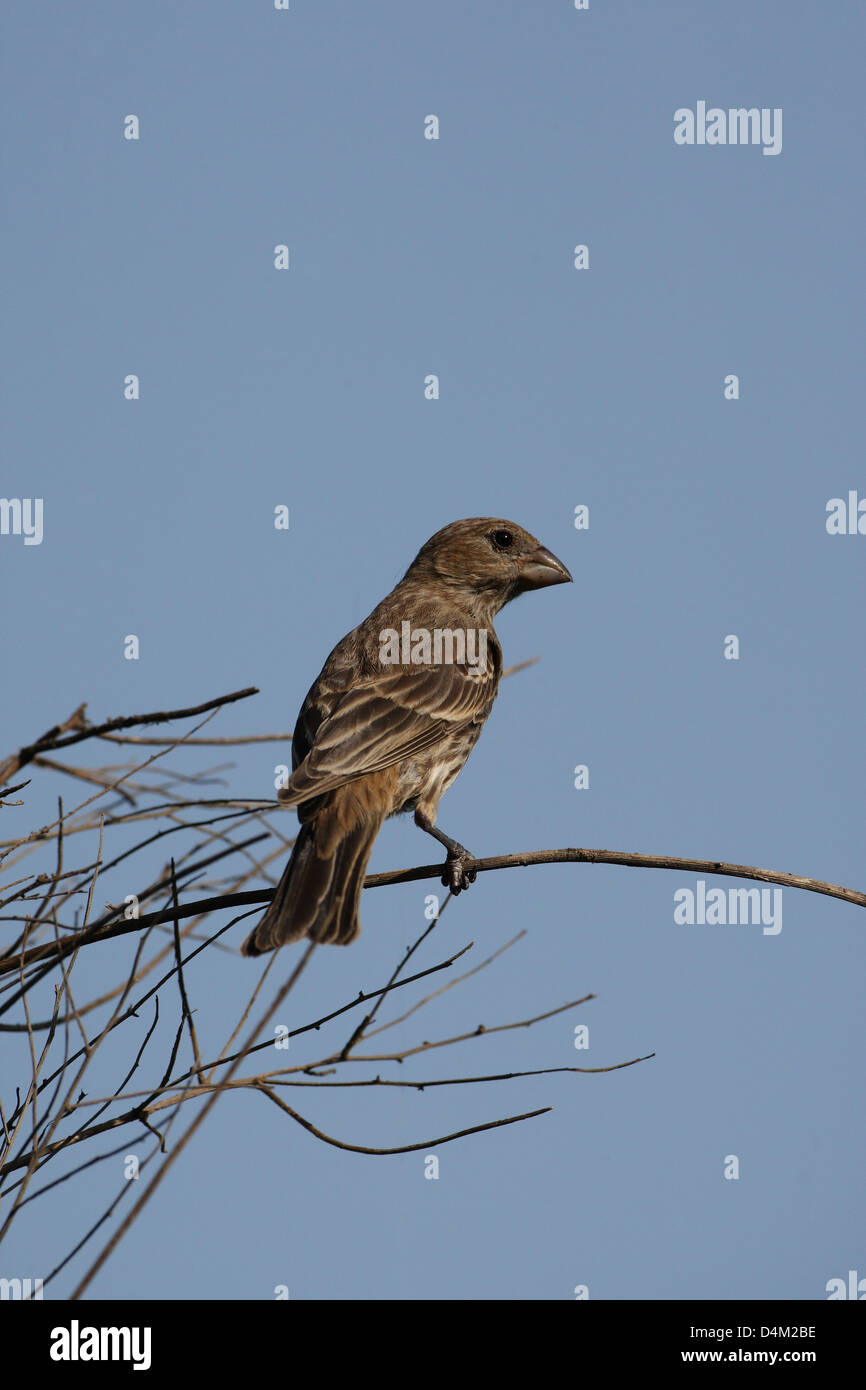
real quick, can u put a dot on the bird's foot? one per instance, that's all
(460, 870)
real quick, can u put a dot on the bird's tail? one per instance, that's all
(319, 894)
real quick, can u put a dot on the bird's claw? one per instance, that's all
(460, 871)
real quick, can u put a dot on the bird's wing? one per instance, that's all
(387, 717)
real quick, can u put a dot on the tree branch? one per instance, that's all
(403, 1148)
(54, 738)
(53, 950)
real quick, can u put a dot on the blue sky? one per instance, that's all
(558, 387)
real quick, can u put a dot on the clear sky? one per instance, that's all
(558, 387)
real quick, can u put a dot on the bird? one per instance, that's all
(391, 719)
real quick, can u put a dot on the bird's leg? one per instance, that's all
(460, 868)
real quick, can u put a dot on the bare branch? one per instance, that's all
(479, 1032)
(58, 737)
(403, 1148)
(631, 860)
(171, 1158)
(185, 1008)
(501, 861)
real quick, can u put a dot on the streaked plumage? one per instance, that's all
(373, 739)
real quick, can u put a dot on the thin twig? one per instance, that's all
(402, 1148)
(59, 738)
(185, 1008)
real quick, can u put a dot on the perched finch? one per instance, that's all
(392, 718)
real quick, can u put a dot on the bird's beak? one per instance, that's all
(540, 569)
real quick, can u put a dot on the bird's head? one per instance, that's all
(488, 558)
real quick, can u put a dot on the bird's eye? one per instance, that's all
(502, 540)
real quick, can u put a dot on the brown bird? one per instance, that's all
(391, 720)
